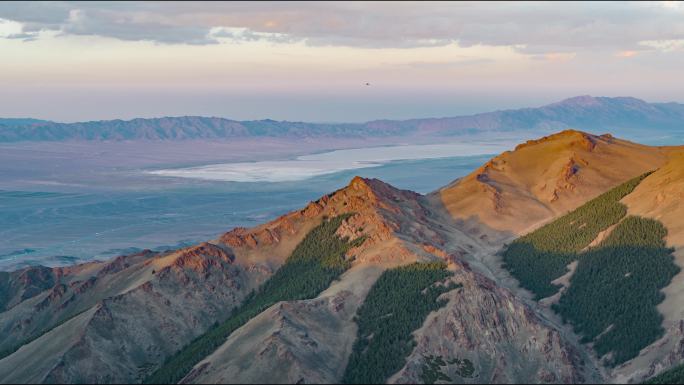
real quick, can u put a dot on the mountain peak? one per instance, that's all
(584, 101)
(544, 177)
(569, 137)
(361, 184)
(358, 182)
(579, 101)
(586, 111)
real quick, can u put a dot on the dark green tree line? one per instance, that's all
(613, 293)
(540, 257)
(313, 265)
(672, 376)
(396, 305)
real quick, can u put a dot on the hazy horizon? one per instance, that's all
(266, 117)
(79, 61)
(341, 192)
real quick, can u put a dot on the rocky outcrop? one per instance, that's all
(309, 341)
(291, 342)
(21, 285)
(149, 305)
(485, 327)
(201, 258)
(380, 213)
(141, 309)
(117, 321)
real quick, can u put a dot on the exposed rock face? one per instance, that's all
(21, 285)
(310, 341)
(117, 321)
(134, 311)
(201, 259)
(125, 319)
(293, 342)
(59, 302)
(505, 341)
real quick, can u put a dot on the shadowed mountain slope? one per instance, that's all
(121, 320)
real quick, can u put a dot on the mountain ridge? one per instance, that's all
(542, 178)
(613, 114)
(486, 321)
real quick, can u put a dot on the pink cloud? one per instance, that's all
(626, 54)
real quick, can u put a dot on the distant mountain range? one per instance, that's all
(619, 115)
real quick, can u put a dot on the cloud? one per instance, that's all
(555, 56)
(449, 64)
(531, 28)
(245, 34)
(665, 45)
(22, 36)
(130, 22)
(9, 27)
(626, 54)
(673, 4)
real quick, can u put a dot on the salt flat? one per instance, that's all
(307, 166)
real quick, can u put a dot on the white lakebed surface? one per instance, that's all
(308, 166)
(80, 203)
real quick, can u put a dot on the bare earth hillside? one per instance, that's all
(519, 190)
(118, 321)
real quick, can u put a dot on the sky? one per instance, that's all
(309, 61)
